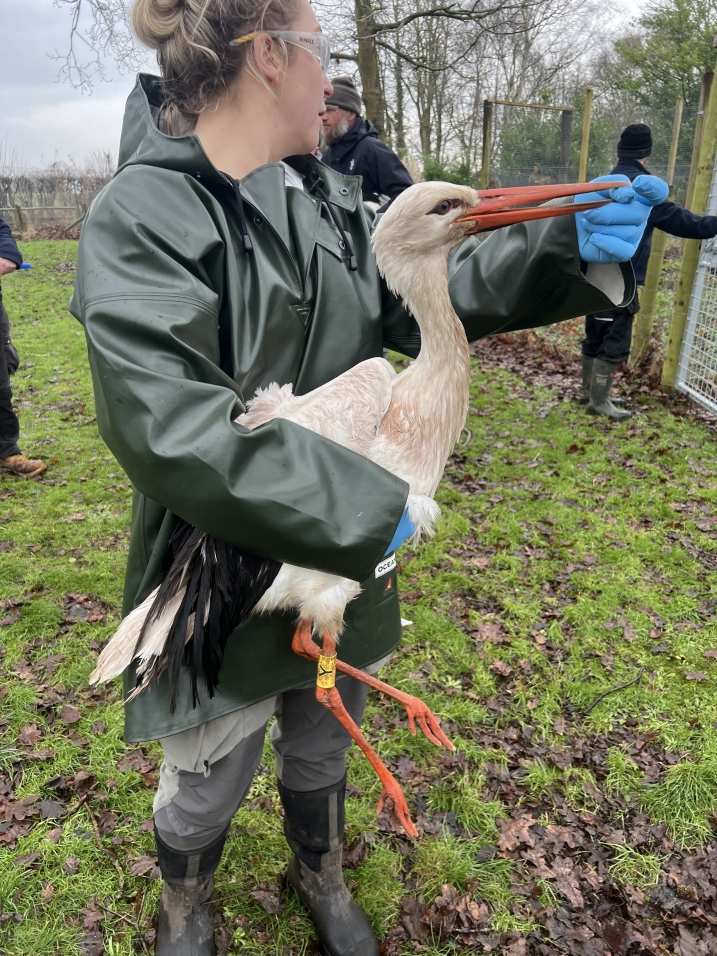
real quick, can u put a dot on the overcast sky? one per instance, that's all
(41, 119)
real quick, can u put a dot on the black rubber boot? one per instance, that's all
(600, 386)
(186, 911)
(314, 828)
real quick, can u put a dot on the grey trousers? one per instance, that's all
(207, 770)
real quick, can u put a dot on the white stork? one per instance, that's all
(408, 423)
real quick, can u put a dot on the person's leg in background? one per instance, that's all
(11, 458)
(310, 746)
(606, 344)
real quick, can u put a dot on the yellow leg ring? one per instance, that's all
(326, 676)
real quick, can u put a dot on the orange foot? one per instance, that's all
(304, 645)
(331, 699)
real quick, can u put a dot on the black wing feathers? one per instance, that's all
(221, 585)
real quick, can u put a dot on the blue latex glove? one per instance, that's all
(613, 233)
(403, 532)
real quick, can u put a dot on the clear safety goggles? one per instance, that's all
(316, 43)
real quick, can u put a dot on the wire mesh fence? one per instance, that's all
(697, 368)
(527, 144)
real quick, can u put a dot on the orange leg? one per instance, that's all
(304, 645)
(331, 699)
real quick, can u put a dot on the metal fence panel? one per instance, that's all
(697, 369)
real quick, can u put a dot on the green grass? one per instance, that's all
(581, 562)
(629, 867)
(624, 777)
(685, 800)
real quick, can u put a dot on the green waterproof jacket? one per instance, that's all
(183, 325)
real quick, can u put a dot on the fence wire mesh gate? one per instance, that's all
(697, 369)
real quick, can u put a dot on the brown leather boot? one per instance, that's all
(22, 466)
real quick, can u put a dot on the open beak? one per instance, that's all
(503, 207)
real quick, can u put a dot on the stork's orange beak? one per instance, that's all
(503, 207)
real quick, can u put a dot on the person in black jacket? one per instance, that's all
(608, 334)
(11, 458)
(353, 147)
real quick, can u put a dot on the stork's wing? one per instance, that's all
(348, 409)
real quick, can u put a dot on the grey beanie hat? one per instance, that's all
(345, 95)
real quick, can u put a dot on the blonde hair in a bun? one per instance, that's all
(192, 38)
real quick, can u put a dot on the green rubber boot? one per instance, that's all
(587, 378)
(314, 828)
(600, 386)
(186, 911)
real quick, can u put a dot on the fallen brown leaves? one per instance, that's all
(451, 915)
(269, 897)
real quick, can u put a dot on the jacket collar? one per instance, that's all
(361, 129)
(343, 191)
(141, 142)
(630, 167)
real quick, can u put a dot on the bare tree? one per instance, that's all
(99, 31)
(424, 66)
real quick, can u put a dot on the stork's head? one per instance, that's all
(425, 220)
(429, 220)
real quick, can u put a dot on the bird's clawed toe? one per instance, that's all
(391, 791)
(418, 712)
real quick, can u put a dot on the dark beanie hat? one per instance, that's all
(345, 95)
(636, 141)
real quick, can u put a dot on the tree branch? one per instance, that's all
(451, 12)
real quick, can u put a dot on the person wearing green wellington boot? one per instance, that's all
(588, 361)
(223, 257)
(608, 333)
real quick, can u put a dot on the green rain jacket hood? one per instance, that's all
(183, 325)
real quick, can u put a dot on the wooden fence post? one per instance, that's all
(642, 326)
(691, 253)
(20, 222)
(487, 137)
(707, 79)
(585, 142)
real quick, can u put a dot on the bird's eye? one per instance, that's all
(445, 206)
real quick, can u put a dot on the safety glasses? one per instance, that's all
(316, 43)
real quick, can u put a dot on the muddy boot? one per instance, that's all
(314, 828)
(600, 404)
(587, 378)
(186, 911)
(22, 466)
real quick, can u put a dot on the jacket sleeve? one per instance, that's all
(164, 405)
(8, 246)
(677, 221)
(521, 277)
(388, 175)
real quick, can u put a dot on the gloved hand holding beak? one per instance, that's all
(612, 233)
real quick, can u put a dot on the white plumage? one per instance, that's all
(407, 423)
